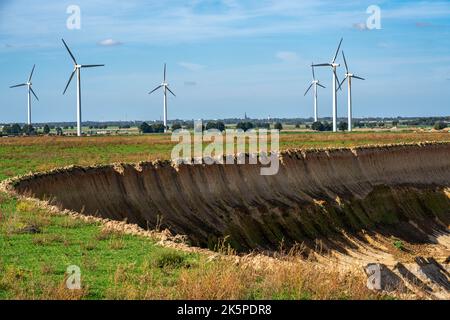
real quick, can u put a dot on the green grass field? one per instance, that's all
(37, 246)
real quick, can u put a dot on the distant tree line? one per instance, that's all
(28, 130)
(248, 125)
(99, 126)
(154, 128)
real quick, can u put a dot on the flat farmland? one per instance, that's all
(24, 154)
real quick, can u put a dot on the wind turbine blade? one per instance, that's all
(356, 77)
(312, 68)
(337, 51)
(309, 88)
(322, 65)
(70, 79)
(31, 74)
(345, 61)
(32, 91)
(70, 52)
(170, 91)
(155, 89)
(164, 72)
(340, 85)
(19, 85)
(321, 86)
(92, 65)
(337, 79)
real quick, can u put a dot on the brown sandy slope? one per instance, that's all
(315, 195)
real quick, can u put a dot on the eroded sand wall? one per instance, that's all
(316, 193)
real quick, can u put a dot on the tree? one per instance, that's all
(395, 123)
(46, 129)
(15, 130)
(263, 125)
(440, 125)
(145, 128)
(278, 126)
(176, 126)
(219, 125)
(158, 128)
(245, 126)
(317, 126)
(327, 126)
(343, 126)
(358, 124)
(59, 131)
(28, 130)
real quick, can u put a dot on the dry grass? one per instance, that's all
(22, 286)
(228, 281)
(25, 219)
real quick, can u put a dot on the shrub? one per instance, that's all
(59, 131)
(176, 126)
(245, 126)
(28, 129)
(172, 259)
(342, 126)
(145, 128)
(440, 125)
(219, 125)
(158, 128)
(13, 130)
(46, 129)
(278, 126)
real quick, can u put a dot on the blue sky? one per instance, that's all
(225, 57)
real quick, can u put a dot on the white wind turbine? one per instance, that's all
(314, 83)
(29, 84)
(166, 88)
(334, 66)
(77, 70)
(349, 76)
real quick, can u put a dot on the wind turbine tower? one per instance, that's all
(333, 66)
(77, 70)
(349, 76)
(30, 90)
(166, 88)
(315, 83)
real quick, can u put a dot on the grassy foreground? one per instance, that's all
(36, 247)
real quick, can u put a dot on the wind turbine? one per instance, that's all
(314, 83)
(334, 66)
(166, 88)
(29, 84)
(349, 76)
(77, 70)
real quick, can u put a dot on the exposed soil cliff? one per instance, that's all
(399, 190)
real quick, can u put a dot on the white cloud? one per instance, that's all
(109, 43)
(198, 20)
(194, 67)
(360, 26)
(287, 56)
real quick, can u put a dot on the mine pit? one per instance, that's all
(400, 191)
